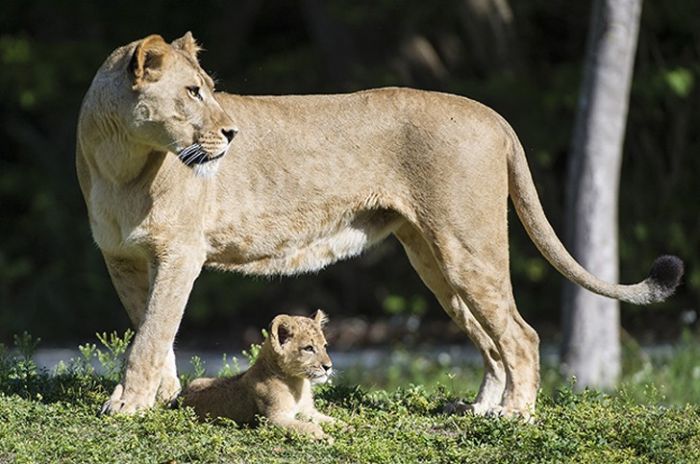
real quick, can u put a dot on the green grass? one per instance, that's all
(53, 418)
(671, 378)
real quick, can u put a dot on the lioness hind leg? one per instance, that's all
(131, 281)
(421, 257)
(483, 282)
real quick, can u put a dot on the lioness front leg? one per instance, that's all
(131, 280)
(173, 277)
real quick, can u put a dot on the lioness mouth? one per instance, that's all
(195, 155)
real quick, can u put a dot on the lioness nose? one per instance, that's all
(229, 133)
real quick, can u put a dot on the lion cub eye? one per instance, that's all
(194, 92)
(309, 349)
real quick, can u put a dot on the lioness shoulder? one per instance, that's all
(278, 385)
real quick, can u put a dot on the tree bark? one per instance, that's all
(591, 345)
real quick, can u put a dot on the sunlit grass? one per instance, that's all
(52, 417)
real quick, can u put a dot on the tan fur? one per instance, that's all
(308, 181)
(278, 385)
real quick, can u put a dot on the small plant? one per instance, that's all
(229, 369)
(19, 375)
(26, 345)
(251, 354)
(229, 366)
(198, 368)
(110, 361)
(83, 364)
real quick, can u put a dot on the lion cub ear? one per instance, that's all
(148, 59)
(320, 318)
(187, 44)
(281, 330)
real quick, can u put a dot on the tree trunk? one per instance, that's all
(591, 346)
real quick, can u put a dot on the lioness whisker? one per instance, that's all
(196, 157)
(189, 154)
(187, 150)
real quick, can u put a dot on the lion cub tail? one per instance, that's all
(665, 273)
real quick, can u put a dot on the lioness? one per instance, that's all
(308, 181)
(278, 384)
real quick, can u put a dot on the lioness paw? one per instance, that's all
(486, 410)
(168, 390)
(460, 408)
(122, 403)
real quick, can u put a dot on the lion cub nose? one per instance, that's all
(229, 133)
(327, 367)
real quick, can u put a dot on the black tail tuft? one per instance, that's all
(666, 273)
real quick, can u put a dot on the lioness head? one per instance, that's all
(172, 106)
(300, 347)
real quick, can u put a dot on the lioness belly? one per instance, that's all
(287, 255)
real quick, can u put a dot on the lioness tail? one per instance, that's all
(665, 273)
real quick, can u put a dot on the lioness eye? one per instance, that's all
(194, 91)
(309, 348)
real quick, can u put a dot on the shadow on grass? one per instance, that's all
(71, 388)
(74, 383)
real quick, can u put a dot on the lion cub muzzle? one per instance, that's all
(322, 373)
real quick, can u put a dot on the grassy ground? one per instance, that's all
(52, 418)
(671, 377)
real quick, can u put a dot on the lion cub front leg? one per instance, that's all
(308, 411)
(289, 422)
(319, 418)
(174, 276)
(281, 411)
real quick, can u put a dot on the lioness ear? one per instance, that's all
(281, 330)
(148, 59)
(320, 318)
(187, 44)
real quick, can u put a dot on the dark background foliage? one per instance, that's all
(52, 278)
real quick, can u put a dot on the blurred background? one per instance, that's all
(524, 59)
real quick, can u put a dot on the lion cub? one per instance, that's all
(278, 384)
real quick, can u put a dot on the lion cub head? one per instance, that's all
(299, 346)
